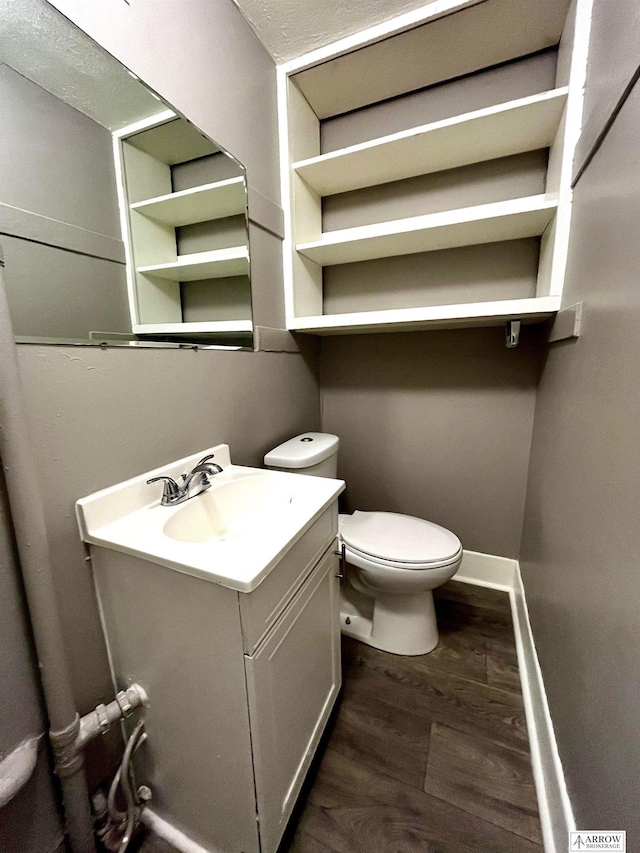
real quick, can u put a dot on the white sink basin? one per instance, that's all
(232, 534)
(230, 509)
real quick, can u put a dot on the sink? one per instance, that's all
(230, 509)
(232, 534)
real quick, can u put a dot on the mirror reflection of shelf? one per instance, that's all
(217, 264)
(184, 204)
(197, 204)
(220, 327)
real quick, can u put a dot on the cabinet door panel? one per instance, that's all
(293, 680)
(260, 609)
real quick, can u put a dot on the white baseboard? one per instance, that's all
(486, 570)
(173, 835)
(556, 815)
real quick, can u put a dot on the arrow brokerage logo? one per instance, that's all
(613, 840)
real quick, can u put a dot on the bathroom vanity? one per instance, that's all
(225, 609)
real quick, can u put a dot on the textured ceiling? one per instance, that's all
(42, 45)
(290, 28)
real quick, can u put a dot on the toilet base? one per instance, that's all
(399, 624)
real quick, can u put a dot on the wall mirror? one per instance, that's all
(120, 222)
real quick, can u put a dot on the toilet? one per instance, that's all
(393, 561)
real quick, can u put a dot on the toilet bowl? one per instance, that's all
(392, 561)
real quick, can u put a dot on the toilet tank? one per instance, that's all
(314, 453)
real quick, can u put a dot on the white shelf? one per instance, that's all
(485, 223)
(217, 264)
(199, 204)
(523, 125)
(441, 42)
(454, 38)
(531, 310)
(214, 327)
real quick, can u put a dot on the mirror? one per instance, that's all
(120, 222)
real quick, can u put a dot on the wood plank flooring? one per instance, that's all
(427, 753)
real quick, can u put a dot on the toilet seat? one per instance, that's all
(392, 540)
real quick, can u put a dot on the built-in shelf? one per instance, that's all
(218, 327)
(484, 223)
(199, 204)
(452, 39)
(531, 310)
(526, 124)
(501, 114)
(217, 264)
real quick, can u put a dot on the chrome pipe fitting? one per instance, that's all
(68, 743)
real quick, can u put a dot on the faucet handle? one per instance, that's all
(171, 489)
(205, 459)
(213, 467)
(196, 468)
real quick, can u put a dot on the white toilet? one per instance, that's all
(393, 561)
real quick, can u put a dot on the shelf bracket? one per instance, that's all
(512, 330)
(567, 324)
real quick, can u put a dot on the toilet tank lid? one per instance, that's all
(303, 451)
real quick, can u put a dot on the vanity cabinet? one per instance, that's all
(241, 685)
(292, 683)
(358, 200)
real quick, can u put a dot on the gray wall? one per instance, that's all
(468, 274)
(55, 161)
(435, 424)
(581, 538)
(614, 64)
(204, 59)
(55, 293)
(57, 168)
(29, 823)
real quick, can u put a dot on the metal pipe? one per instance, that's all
(100, 720)
(27, 514)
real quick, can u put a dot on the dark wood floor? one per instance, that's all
(427, 753)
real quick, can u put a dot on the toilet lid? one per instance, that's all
(398, 538)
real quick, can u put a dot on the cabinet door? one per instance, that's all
(261, 609)
(293, 680)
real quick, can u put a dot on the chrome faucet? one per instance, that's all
(192, 484)
(202, 471)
